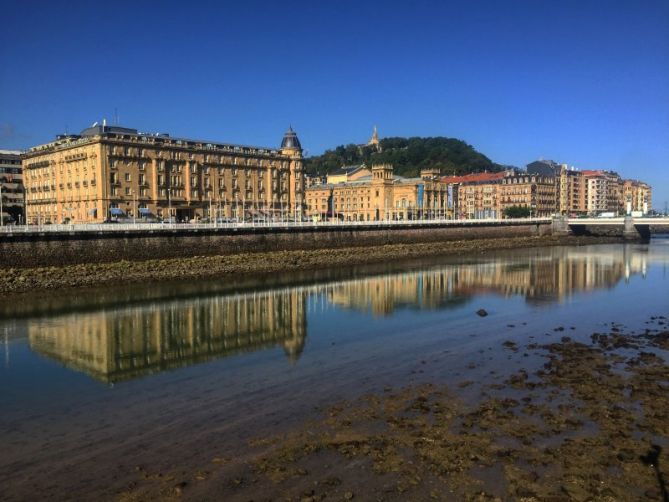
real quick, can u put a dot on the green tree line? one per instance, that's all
(407, 155)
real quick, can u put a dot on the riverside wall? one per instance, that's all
(77, 247)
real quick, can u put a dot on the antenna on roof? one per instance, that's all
(65, 129)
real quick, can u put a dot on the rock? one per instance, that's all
(348, 496)
(481, 312)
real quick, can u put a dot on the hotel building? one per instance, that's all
(115, 172)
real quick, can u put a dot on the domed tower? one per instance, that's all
(291, 141)
(291, 148)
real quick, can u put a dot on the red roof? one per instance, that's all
(592, 173)
(473, 178)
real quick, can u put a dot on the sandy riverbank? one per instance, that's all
(19, 280)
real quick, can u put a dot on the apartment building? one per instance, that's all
(602, 192)
(12, 196)
(532, 191)
(477, 195)
(636, 196)
(593, 191)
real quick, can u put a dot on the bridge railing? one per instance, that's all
(153, 227)
(618, 220)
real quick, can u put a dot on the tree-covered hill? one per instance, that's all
(407, 155)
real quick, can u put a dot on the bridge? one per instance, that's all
(628, 227)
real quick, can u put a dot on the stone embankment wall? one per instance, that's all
(54, 249)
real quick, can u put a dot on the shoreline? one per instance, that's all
(24, 280)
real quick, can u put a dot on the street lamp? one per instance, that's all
(169, 204)
(210, 206)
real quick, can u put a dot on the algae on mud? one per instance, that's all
(20, 280)
(591, 424)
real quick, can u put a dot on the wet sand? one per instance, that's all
(535, 401)
(20, 280)
(565, 416)
(591, 422)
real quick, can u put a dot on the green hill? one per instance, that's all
(407, 155)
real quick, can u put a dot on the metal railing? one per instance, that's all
(154, 227)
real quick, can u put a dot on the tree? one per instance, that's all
(517, 212)
(407, 155)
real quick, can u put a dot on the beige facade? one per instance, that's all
(488, 195)
(348, 173)
(636, 196)
(568, 192)
(107, 172)
(379, 196)
(571, 190)
(603, 192)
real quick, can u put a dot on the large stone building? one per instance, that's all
(12, 203)
(116, 172)
(377, 194)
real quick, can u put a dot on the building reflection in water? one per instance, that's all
(541, 276)
(114, 344)
(119, 344)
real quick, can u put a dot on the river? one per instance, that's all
(166, 391)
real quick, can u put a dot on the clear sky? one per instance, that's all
(582, 82)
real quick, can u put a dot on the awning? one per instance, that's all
(144, 210)
(116, 211)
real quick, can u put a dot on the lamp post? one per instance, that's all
(169, 204)
(135, 208)
(210, 206)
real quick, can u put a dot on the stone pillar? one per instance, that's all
(631, 233)
(560, 226)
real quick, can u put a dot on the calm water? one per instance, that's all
(95, 382)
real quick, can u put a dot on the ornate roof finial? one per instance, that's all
(374, 141)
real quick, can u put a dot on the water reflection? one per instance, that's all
(131, 340)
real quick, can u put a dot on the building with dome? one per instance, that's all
(111, 172)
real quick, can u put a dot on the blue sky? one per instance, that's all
(583, 82)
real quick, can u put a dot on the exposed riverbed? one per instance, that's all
(370, 382)
(18, 280)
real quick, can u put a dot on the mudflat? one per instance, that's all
(17, 280)
(590, 422)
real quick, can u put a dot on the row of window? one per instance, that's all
(208, 159)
